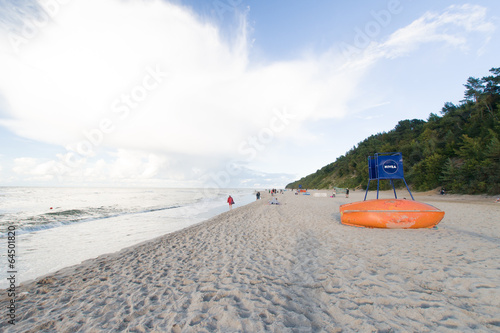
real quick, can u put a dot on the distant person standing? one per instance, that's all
(347, 192)
(230, 201)
(258, 195)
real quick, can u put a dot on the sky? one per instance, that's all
(222, 93)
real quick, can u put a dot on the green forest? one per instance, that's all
(458, 149)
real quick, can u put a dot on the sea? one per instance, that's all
(43, 230)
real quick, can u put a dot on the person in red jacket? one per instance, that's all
(230, 201)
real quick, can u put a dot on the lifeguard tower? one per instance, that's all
(386, 166)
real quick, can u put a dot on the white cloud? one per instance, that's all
(141, 169)
(169, 97)
(452, 28)
(76, 72)
(35, 170)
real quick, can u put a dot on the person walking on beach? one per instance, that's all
(230, 201)
(347, 193)
(258, 195)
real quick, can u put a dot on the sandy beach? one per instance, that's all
(286, 268)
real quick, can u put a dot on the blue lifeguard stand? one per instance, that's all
(386, 166)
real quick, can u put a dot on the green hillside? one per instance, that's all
(458, 150)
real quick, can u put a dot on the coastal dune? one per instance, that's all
(289, 267)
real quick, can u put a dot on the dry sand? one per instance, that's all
(286, 268)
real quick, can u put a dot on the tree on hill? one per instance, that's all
(458, 150)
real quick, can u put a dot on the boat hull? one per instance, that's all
(390, 214)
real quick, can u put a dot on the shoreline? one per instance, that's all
(282, 268)
(125, 249)
(47, 250)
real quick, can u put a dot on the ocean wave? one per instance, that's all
(56, 219)
(70, 212)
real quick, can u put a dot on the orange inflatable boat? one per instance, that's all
(391, 214)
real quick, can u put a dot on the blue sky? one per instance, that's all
(224, 93)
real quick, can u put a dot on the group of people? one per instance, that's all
(334, 194)
(274, 201)
(275, 191)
